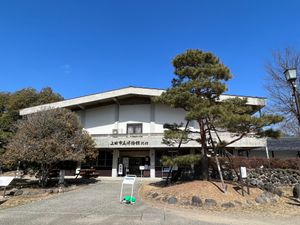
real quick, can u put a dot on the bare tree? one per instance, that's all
(281, 99)
(47, 138)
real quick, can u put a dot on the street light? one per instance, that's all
(291, 76)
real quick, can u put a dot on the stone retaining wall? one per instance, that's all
(264, 176)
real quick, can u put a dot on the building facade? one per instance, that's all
(284, 148)
(128, 126)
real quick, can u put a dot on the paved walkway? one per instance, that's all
(99, 204)
(96, 204)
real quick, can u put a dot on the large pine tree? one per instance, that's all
(200, 79)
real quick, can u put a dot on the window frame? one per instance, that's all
(134, 128)
(106, 158)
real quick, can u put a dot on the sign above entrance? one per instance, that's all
(129, 143)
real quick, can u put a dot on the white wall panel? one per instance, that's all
(100, 120)
(134, 114)
(165, 114)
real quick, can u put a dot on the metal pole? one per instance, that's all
(4, 192)
(131, 194)
(295, 92)
(121, 193)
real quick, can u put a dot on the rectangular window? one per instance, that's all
(105, 158)
(134, 128)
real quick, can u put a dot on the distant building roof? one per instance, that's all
(284, 144)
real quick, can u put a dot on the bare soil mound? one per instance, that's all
(204, 190)
(180, 196)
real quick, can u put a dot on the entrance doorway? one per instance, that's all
(132, 160)
(134, 165)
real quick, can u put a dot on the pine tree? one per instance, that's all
(200, 79)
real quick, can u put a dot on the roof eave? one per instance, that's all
(104, 96)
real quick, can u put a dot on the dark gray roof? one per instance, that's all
(284, 144)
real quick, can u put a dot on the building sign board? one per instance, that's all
(156, 141)
(128, 143)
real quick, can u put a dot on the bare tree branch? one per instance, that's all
(279, 90)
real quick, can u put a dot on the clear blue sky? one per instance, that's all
(83, 47)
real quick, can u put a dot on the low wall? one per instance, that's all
(264, 176)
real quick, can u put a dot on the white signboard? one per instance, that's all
(243, 172)
(5, 181)
(129, 179)
(120, 169)
(142, 167)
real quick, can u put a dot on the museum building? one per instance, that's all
(128, 128)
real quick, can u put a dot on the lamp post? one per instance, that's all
(291, 76)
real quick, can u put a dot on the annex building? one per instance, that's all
(128, 128)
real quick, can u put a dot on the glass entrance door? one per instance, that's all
(134, 165)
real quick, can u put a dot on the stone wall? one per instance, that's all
(276, 177)
(263, 177)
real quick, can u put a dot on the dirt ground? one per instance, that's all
(286, 206)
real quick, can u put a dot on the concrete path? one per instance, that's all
(96, 204)
(99, 204)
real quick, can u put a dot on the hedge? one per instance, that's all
(276, 163)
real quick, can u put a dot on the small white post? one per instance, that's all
(267, 152)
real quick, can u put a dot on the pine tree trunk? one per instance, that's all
(204, 159)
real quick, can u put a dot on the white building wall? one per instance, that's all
(81, 115)
(134, 114)
(165, 114)
(100, 120)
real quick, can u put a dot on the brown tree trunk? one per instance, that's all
(204, 159)
(44, 175)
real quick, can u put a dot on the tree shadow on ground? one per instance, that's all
(220, 189)
(162, 183)
(293, 201)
